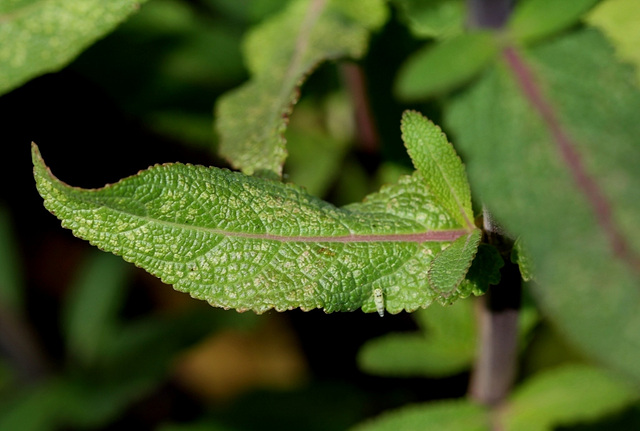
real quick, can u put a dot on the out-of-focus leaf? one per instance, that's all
(454, 415)
(205, 425)
(564, 396)
(316, 152)
(247, 10)
(280, 53)
(11, 283)
(43, 36)
(445, 66)
(618, 20)
(447, 346)
(533, 20)
(586, 285)
(432, 18)
(91, 308)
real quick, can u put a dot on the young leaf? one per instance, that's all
(432, 19)
(46, 35)
(533, 20)
(437, 161)
(445, 66)
(280, 54)
(564, 396)
(449, 415)
(557, 163)
(449, 267)
(447, 346)
(90, 312)
(246, 243)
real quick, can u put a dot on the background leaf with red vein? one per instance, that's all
(554, 155)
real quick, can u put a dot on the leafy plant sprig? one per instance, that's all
(248, 243)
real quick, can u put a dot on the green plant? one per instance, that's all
(540, 101)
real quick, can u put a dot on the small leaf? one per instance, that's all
(450, 415)
(533, 20)
(484, 271)
(618, 20)
(46, 35)
(450, 266)
(281, 53)
(432, 19)
(435, 158)
(563, 396)
(521, 257)
(246, 243)
(447, 347)
(445, 66)
(91, 310)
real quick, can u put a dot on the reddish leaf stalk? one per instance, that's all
(368, 139)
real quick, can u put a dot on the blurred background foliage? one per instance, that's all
(87, 341)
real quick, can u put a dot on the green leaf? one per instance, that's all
(521, 257)
(531, 173)
(46, 35)
(445, 66)
(484, 271)
(90, 312)
(618, 20)
(450, 415)
(318, 140)
(433, 18)
(449, 267)
(533, 20)
(280, 54)
(447, 347)
(563, 396)
(11, 283)
(246, 243)
(435, 158)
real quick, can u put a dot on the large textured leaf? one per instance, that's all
(563, 396)
(280, 54)
(40, 36)
(555, 156)
(247, 243)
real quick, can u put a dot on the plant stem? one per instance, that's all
(488, 13)
(495, 367)
(355, 82)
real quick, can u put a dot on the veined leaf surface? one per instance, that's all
(247, 243)
(280, 54)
